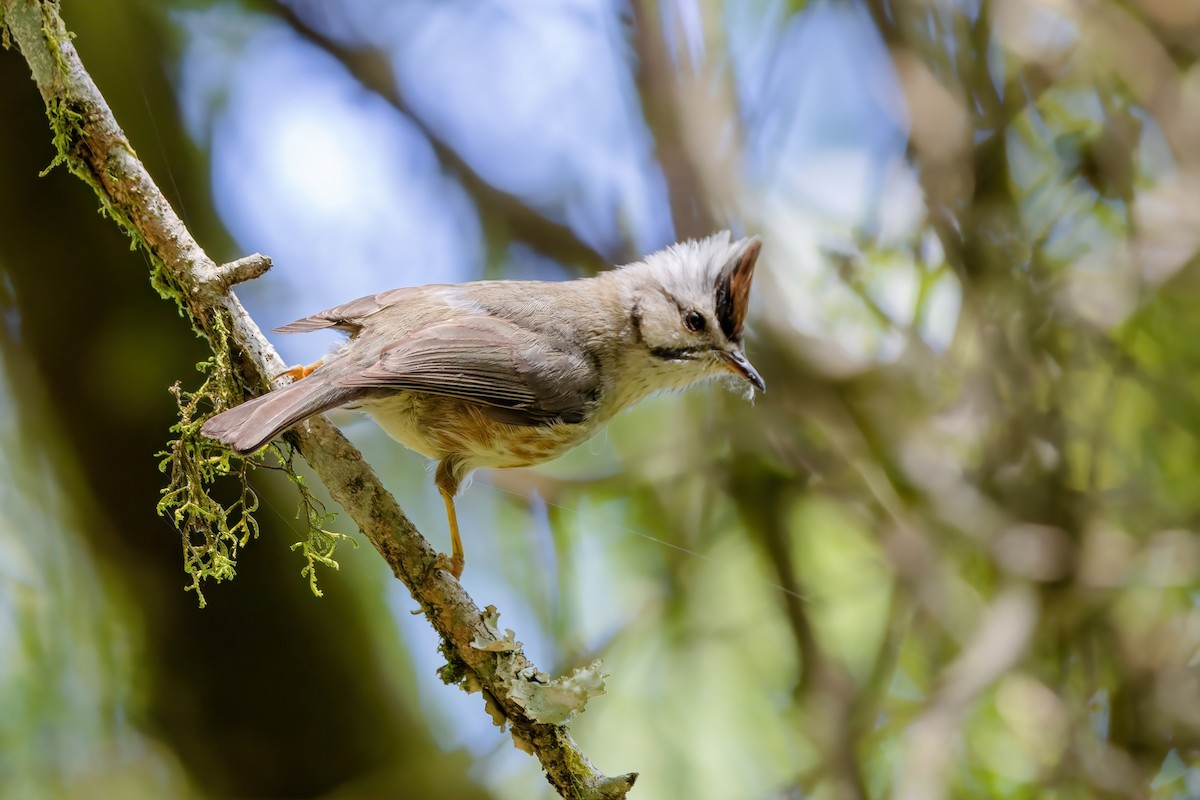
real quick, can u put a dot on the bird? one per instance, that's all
(512, 373)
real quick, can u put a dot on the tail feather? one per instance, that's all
(247, 427)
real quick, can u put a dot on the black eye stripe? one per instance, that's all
(675, 353)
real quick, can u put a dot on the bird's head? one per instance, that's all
(688, 307)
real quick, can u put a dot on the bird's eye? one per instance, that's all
(695, 321)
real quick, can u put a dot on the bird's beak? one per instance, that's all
(737, 363)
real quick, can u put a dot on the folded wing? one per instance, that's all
(513, 374)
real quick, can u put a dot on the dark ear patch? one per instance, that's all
(733, 291)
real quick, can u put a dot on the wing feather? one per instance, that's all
(491, 362)
(348, 316)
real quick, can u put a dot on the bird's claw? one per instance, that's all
(300, 371)
(451, 564)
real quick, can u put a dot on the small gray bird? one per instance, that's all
(514, 373)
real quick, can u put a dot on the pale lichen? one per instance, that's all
(500, 642)
(544, 699)
(556, 701)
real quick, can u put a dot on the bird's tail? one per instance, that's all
(247, 427)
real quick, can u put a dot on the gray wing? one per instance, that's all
(512, 373)
(349, 316)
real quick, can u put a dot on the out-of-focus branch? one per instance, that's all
(1139, 61)
(372, 70)
(824, 690)
(1001, 640)
(691, 107)
(93, 147)
(659, 86)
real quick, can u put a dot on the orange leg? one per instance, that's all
(302, 371)
(457, 558)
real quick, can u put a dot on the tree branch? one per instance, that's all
(93, 147)
(657, 82)
(371, 69)
(1002, 637)
(691, 108)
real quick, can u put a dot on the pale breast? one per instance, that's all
(438, 427)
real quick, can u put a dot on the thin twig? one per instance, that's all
(243, 269)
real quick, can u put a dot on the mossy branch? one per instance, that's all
(92, 146)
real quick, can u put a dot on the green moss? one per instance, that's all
(320, 544)
(66, 124)
(579, 772)
(455, 670)
(52, 27)
(212, 533)
(68, 127)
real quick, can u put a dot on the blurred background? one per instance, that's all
(953, 551)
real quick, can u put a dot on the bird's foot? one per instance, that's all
(300, 371)
(452, 564)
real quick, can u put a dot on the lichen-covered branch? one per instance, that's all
(93, 147)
